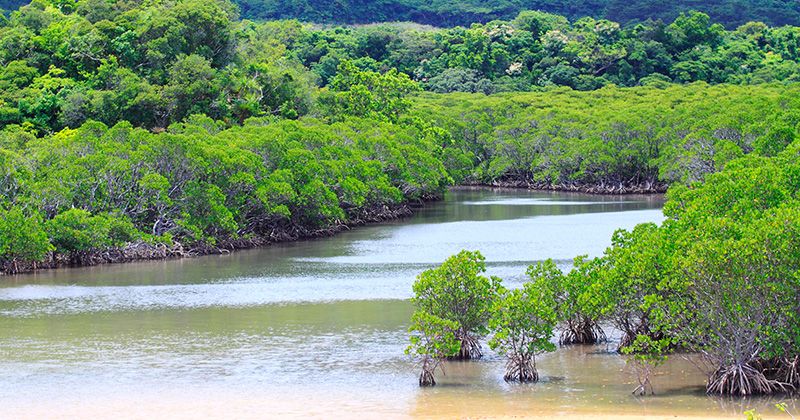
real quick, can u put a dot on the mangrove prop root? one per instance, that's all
(525, 181)
(428, 368)
(521, 369)
(470, 348)
(742, 380)
(788, 371)
(426, 379)
(583, 331)
(644, 371)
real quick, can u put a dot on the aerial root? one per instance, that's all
(521, 369)
(428, 368)
(470, 349)
(789, 371)
(644, 371)
(584, 331)
(426, 378)
(743, 380)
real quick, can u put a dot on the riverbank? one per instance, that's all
(144, 251)
(598, 189)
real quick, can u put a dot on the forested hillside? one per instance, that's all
(148, 130)
(730, 13)
(64, 64)
(447, 13)
(538, 49)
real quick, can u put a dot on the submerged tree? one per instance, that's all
(627, 279)
(522, 322)
(433, 340)
(576, 307)
(719, 277)
(742, 306)
(644, 355)
(456, 291)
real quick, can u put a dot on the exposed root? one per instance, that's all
(426, 379)
(521, 369)
(525, 180)
(581, 331)
(785, 370)
(631, 330)
(743, 380)
(428, 368)
(470, 348)
(644, 371)
(789, 371)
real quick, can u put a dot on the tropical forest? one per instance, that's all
(398, 208)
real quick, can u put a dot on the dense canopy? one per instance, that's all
(465, 12)
(64, 63)
(141, 130)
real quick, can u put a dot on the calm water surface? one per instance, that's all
(318, 328)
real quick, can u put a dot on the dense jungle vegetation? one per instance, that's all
(612, 140)
(720, 278)
(133, 130)
(129, 133)
(730, 13)
(64, 63)
(536, 50)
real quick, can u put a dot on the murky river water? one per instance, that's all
(318, 328)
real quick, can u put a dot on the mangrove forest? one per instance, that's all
(157, 130)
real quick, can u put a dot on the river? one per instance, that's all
(318, 328)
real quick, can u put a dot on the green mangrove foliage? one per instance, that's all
(720, 277)
(433, 341)
(456, 306)
(613, 140)
(456, 291)
(733, 291)
(199, 187)
(193, 180)
(22, 238)
(465, 12)
(579, 317)
(368, 94)
(522, 324)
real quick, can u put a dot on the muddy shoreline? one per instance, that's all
(598, 189)
(142, 251)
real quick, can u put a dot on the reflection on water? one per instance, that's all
(316, 327)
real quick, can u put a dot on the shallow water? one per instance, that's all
(316, 328)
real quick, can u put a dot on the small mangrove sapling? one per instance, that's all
(575, 304)
(433, 339)
(456, 291)
(522, 322)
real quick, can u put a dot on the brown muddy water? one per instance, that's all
(318, 328)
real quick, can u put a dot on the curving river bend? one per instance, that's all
(318, 328)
